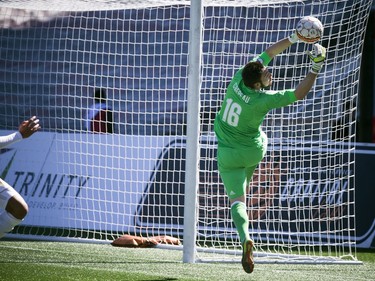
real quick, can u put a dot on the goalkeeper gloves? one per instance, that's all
(317, 57)
(293, 38)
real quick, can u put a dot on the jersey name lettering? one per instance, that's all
(239, 93)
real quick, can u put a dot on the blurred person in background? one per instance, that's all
(99, 117)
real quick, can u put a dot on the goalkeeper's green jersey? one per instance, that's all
(239, 120)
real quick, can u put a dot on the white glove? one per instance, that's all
(293, 38)
(317, 57)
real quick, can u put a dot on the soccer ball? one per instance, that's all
(309, 29)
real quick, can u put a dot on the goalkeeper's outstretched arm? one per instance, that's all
(281, 45)
(317, 57)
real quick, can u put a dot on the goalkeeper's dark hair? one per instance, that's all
(251, 73)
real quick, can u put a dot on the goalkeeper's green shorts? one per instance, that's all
(237, 165)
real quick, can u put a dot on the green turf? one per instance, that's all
(36, 260)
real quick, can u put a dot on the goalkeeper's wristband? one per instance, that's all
(316, 67)
(314, 71)
(293, 38)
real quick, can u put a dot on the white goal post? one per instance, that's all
(164, 66)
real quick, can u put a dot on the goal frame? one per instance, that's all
(192, 134)
(190, 248)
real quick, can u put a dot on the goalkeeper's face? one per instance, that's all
(265, 78)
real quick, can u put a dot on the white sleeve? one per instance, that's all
(9, 139)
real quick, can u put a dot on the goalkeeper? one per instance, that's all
(241, 142)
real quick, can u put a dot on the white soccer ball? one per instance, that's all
(309, 29)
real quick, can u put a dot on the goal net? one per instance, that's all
(130, 177)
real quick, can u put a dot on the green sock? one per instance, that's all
(241, 220)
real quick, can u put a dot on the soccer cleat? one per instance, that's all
(247, 256)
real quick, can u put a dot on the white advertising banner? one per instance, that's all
(83, 181)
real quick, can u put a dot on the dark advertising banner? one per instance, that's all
(309, 200)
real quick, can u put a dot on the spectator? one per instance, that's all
(99, 116)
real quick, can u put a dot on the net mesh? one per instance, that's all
(52, 59)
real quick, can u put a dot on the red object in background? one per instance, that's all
(102, 122)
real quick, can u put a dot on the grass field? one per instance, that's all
(37, 260)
